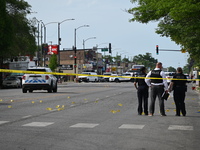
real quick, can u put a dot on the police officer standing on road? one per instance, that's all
(142, 91)
(179, 87)
(158, 86)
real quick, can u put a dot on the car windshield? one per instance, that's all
(107, 74)
(85, 73)
(10, 78)
(171, 74)
(40, 70)
(16, 74)
(126, 74)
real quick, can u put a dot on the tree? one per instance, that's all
(16, 32)
(16, 36)
(53, 62)
(186, 69)
(171, 69)
(178, 20)
(146, 60)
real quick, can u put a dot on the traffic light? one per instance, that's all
(109, 48)
(183, 50)
(44, 48)
(157, 50)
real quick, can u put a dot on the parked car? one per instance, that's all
(188, 78)
(106, 76)
(88, 76)
(125, 77)
(169, 76)
(33, 81)
(113, 77)
(11, 81)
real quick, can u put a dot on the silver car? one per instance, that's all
(12, 81)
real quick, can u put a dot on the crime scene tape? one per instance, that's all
(73, 74)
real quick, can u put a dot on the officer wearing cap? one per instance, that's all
(142, 91)
(156, 80)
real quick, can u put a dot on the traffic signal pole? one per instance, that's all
(157, 50)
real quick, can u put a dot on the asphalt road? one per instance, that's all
(94, 116)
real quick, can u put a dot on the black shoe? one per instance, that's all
(177, 115)
(163, 115)
(184, 115)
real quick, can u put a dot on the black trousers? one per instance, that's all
(157, 91)
(179, 99)
(143, 95)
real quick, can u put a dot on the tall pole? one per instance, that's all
(86, 40)
(38, 58)
(59, 45)
(74, 48)
(59, 39)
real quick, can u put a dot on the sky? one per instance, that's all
(109, 23)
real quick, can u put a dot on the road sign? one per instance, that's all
(104, 49)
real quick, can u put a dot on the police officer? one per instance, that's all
(179, 87)
(155, 80)
(142, 92)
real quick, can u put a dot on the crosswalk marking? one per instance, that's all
(84, 125)
(92, 125)
(131, 126)
(2, 122)
(179, 127)
(38, 124)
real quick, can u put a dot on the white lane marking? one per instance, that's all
(178, 127)
(38, 124)
(2, 122)
(84, 125)
(131, 126)
(26, 116)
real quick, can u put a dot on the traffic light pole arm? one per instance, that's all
(169, 50)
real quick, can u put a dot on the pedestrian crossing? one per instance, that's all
(94, 125)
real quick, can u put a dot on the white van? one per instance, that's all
(88, 77)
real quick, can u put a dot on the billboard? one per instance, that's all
(52, 49)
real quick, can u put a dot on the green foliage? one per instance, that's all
(171, 69)
(186, 69)
(147, 60)
(178, 20)
(16, 32)
(53, 62)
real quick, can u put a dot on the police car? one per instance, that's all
(34, 81)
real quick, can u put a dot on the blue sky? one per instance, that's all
(109, 23)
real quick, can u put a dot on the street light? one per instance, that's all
(86, 40)
(59, 39)
(75, 45)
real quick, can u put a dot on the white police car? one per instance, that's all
(35, 81)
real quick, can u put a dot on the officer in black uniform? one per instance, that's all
(142, 91)
(179, 87)
(156, 80)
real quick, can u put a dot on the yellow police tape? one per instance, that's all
(73, 74)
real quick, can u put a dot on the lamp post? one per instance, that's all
(38, 40)
(59, 39)
(75, 45)
(86, 40)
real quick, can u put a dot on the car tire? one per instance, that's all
(50, 89)
(55, 89)
(24, 90)
(117, 80)
(30, 91)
